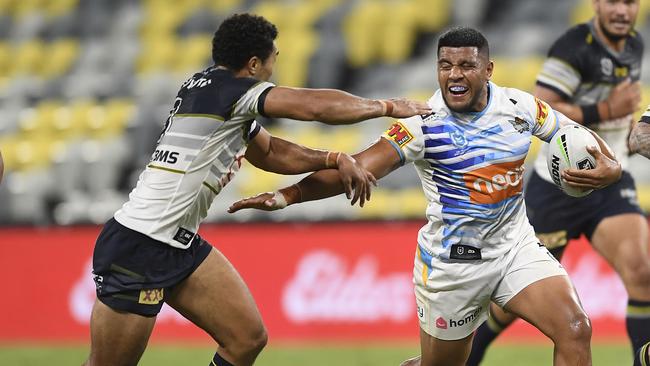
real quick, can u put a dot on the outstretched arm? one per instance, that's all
(335, 107)
(640, 139)
(379, 159)
(276, 155)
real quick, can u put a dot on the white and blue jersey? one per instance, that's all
(471, 167)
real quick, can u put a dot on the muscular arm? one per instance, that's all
(284, 157)
(623, 100)
(280, 156)
(334, 107)
(558, 103)
(640, 139)
(379, 159)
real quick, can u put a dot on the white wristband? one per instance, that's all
(280, 200)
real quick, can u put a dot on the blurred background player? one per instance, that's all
(149, 253)
(592, 76)
(478, 245)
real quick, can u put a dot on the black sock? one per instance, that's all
(642, 356)
(219, 361)
(637, 322)
(485, 334)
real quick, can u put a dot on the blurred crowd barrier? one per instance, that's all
(85, 86)
(332, 281)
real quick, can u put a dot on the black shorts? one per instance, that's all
(134, 273)
(558, 217)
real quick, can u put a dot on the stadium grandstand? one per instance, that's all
(85, 86)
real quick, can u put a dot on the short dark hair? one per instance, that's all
(240, 37)
(464, 37)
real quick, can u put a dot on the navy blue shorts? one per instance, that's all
(133, 272)
(558, 217)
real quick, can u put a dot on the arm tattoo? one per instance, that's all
(640, 139)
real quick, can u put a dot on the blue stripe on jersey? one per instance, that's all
(425, 256)
(521, 150)
(432, 142)
(433, 129)
(452, 190)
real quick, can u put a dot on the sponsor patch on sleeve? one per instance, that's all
(398, 133)
(542, 111)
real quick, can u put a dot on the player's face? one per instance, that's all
(616, 17)
(463, 73)
(266, 69)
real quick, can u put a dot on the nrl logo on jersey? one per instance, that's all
(520, 125)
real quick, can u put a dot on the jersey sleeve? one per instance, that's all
(543, 120)
(407, 138)
(561, 70)
(251, 103)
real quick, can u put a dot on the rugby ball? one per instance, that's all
(568, 150)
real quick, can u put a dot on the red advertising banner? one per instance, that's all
(331, 281)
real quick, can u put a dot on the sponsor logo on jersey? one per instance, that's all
(151, 296)
(520, 125)
(606, 66)
(165, 156)
(494, 183)
(542, 111)
(399, 134)
(453, 323)
(458, 139)
(422, 316)
(441, 323)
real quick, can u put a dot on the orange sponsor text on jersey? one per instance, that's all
(494, 183)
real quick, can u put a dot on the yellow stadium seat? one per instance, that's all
(60, 56)
(23, 8)
(252, 181)
(274, 11)
(224, 6)
(362, 40)
(399, 31)
(28, 57)
(55, 8)
(108, 120)
(582, 12)
(8, 148)
(519, 73)
(5, 6)
(194, 53)
(158, 56)
(33, 153)
(39, 121)
(6, 57)
(296, 48)
(432, 21)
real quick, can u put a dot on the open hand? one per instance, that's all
(267, 201)
(357, 181)
(606, 172)
(403, 108)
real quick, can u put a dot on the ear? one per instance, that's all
(253, 65)
(489, 69)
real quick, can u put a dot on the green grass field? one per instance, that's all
(276, 355)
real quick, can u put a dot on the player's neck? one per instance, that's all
(615, 44)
